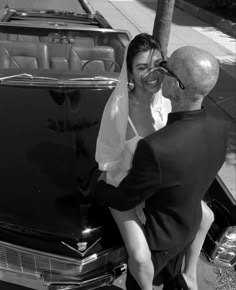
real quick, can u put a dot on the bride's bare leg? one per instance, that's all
(192, 255)
(139, 261)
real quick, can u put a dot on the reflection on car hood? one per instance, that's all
(42, 158)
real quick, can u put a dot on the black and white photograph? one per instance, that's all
(118, 144)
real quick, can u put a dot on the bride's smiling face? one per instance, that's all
(142, 63)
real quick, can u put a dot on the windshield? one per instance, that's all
(44, 79)
(60, 54)
(53, 17)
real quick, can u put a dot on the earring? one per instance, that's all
(131, 85)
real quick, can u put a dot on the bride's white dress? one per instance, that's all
(160, 109)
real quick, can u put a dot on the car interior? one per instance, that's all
(23, 55)
(59, 51)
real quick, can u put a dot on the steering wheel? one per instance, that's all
(103, 59)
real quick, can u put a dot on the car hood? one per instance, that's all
(47, 146)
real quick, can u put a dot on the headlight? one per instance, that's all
(225, 251)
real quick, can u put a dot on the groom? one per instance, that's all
(173, 167)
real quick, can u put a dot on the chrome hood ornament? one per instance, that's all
(82, 248)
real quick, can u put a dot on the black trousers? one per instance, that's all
(167, 265)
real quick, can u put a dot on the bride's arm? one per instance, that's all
(114, 177)
(142, 181)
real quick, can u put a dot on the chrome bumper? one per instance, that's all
(59, 282)
(224, 253)
(62, 283)
(44, 271)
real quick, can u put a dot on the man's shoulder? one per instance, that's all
(170, 131)
(219, 121)
(161, 140)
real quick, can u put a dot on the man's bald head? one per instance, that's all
(197, 69)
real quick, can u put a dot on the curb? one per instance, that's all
(225, 25)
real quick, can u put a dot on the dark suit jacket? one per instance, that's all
(172, 170)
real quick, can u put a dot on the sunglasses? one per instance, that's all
(161, 67)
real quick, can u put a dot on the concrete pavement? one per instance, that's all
(223, 24)
(138, 16)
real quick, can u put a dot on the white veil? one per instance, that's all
(112, 132)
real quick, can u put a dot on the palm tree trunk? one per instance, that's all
(162, 23)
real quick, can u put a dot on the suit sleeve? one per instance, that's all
(143, 180)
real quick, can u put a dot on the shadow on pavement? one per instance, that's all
(228, 13)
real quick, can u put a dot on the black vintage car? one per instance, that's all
(57, 70)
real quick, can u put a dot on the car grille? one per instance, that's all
(34, 263)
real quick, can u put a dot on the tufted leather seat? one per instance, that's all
(79, 55)
(23, 55)
(59, 63)
(84, 41)
(22, 37)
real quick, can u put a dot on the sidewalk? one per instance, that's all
(138, 16)
(223, 24)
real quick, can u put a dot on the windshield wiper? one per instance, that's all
(98, 78)
(27, 76)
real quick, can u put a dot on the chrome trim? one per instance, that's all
(219, 262)
(57, 282)
(54, 282)
(83, 251)
(63, 83)
(223, 254)
(26, 261)
(68, 26)
(60, 280)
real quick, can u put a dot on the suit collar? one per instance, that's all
(186, 115)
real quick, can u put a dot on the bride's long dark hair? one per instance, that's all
(141, 42)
